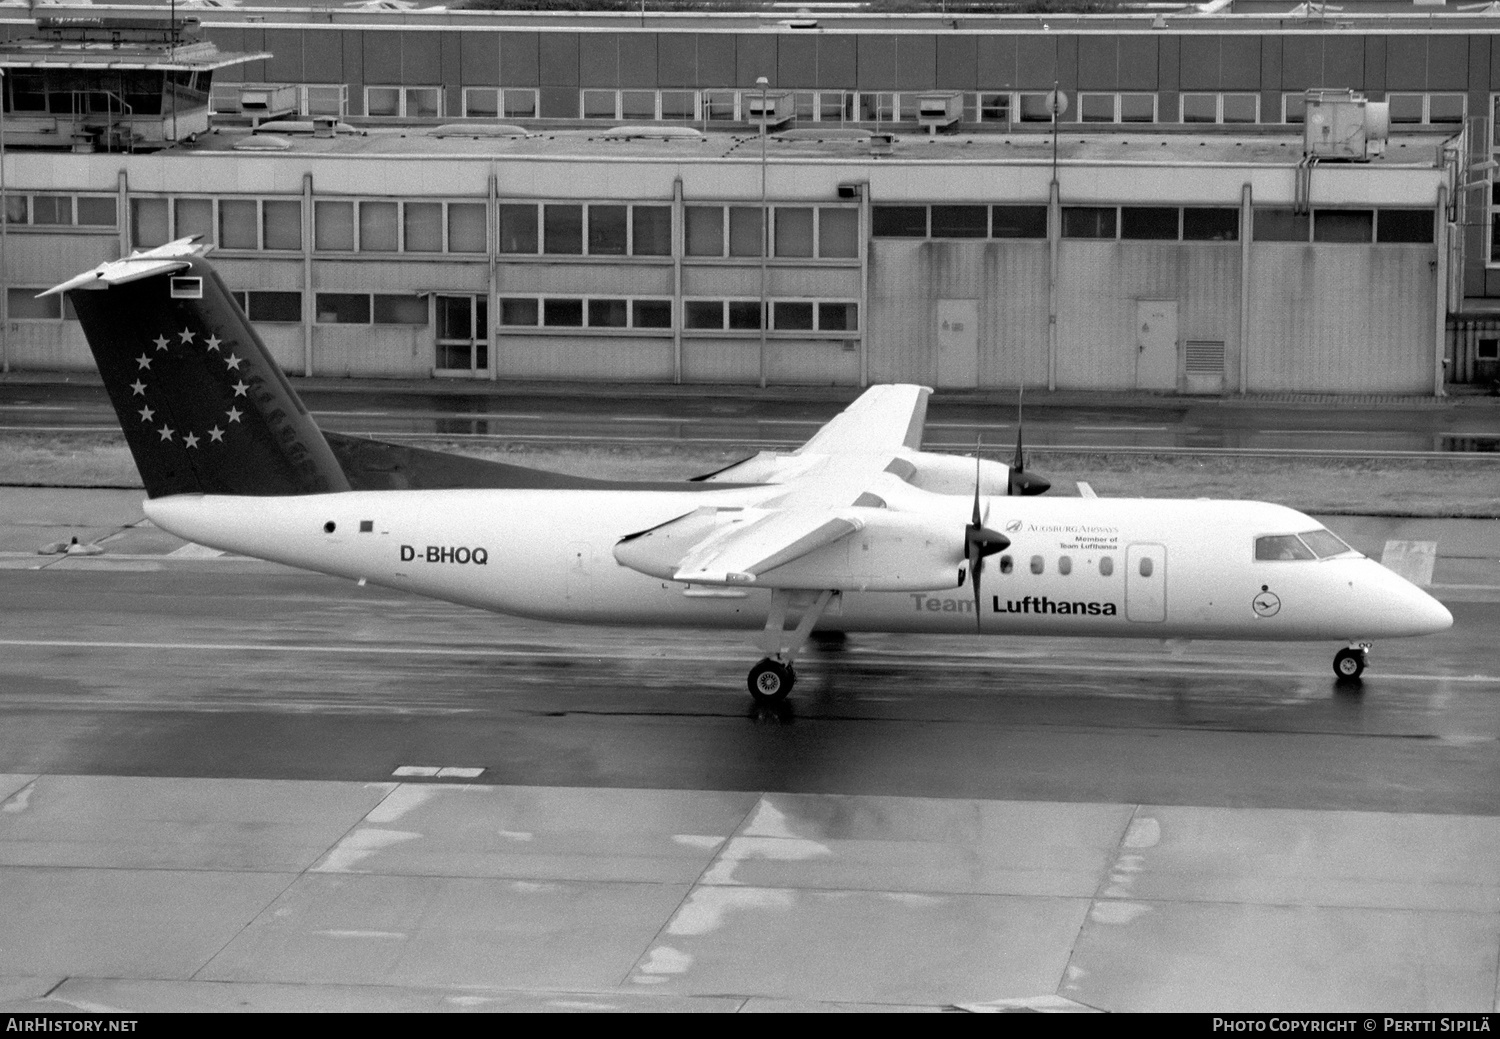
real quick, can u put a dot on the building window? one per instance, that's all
(194, 216)
(518, 228)
(343, 308)
(651, 230)
(960, 221)
(404, 102)
(333, 226)
(744, 315)
(562, 230)
(838, 233)
(379, 227)
(1404, 226)
(793, 231)
(1280, 224)
(96, 210)
(1487, 350)
(481, 102)
(1426, 109)
(899, 221)
(607, 230)
(838, 317)
(1018, 221)
(1293, 107)
(1220, 108)
(1088, 221)
(1117, 108)
(1035, 107)
(596, 312)
(792, 316)
(399, 310)
(705, 230)
(1210, 224)
(1355, 226)
(466, 227)
(422, 227)
(285, 307)
(281, 224)
(23, 305)
(1149, 223)
(745, 238)
(237, 224)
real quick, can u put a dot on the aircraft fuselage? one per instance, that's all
(1107, 567)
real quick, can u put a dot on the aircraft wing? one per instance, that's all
(884, 418)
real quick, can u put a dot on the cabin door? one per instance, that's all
(1146, 583)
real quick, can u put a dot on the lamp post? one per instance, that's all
(765, 229)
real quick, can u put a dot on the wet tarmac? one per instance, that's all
(1072, 421)
(226, 785)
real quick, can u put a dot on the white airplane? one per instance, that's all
(858, 530)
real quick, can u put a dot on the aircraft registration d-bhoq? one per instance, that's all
(858, 530)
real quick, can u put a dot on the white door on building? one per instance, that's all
(1156, 344)
(462, 335)
(958, 343)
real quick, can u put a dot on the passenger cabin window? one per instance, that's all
(1037, 565)
(1065, 565)
(1281, 546)
(1007, 564)
(1146, 567)
(1106, 566)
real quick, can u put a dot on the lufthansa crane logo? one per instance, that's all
(1266, 604)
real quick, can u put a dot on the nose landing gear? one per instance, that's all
(1349, 663)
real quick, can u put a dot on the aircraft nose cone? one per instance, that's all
(1432, 615)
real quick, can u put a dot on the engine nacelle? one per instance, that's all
(951, 474)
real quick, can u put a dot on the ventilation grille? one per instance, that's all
(1204, 358)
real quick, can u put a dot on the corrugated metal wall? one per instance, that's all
(1464, 334)
(1099, 284)
(1341, 319)
(1009, 280)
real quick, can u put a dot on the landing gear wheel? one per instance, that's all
(770, 681)
(1349, 664)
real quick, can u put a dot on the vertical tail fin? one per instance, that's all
(204, 407)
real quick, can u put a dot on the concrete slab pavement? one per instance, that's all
(857, 903)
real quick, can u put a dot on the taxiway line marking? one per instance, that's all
(972, 661)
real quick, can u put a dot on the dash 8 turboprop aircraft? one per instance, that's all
(858, 530)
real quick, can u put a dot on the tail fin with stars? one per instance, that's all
(204, 408)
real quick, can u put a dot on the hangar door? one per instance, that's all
(1156, 344)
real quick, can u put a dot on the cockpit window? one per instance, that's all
(1325, 543)
(1281, 546)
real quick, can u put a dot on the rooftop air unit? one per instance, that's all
(939, 110)
(1340, 124)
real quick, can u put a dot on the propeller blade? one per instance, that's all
(1020, 481)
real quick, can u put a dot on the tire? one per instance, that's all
(770, 681)
(1349, 664)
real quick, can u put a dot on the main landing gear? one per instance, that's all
(772, 679)
(1349, 663)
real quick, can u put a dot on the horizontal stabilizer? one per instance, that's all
(164, 259)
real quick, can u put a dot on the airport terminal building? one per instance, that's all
(531, 196)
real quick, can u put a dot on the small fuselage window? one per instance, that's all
(1037, 565)
(1106, 565)
(1065, 565)
(1007, 564)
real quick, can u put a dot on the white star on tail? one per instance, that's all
(232, 362)
(234, 414)
(137, 388)
(166, 432)
(185, 335)
(191, 440)
(213, 343)
(240, 388)
(215, 435)
(161, 342)
(143, 362)
(146, 414)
